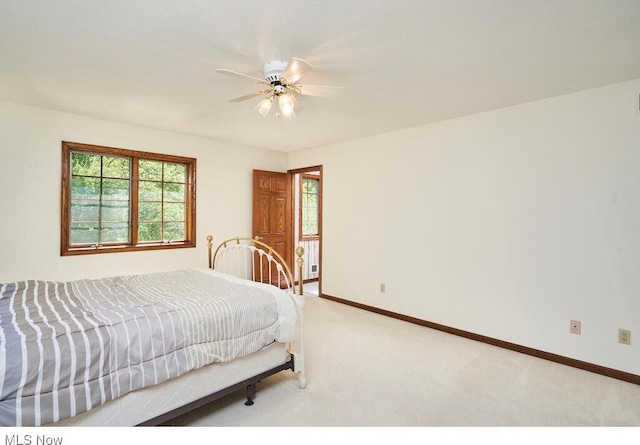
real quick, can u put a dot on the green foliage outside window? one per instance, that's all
(309, 207)
(100, 204)
(161, 201)
(101, 187)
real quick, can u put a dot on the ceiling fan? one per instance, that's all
(281, 85)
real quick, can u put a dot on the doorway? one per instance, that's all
(307, 225)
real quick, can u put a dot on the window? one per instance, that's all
(309, 194)
(116, 200)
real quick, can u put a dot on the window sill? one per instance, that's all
(129, 248)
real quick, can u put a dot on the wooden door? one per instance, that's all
(272, 211)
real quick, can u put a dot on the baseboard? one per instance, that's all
(586, 366)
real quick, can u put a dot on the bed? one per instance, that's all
(144, 349)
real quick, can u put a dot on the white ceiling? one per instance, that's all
(401, 63)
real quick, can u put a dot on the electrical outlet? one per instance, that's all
(383, 288)
(624, 336)
(574, 327)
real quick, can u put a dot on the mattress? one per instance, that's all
(69, 347)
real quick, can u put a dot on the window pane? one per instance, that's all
(174, 192)
(84, 233)
(149, 232)
(174, 212)
(85, 164)
(115, 211)
(117, 189)
(115, 233)
(150, 191)
(311, 200)
(85, 210)
(175, 172)
(115, 167)
(150, 170)
(150, 211)
(87, 188)
(310, 228)
(310, 186)
(310, 211)
(174, 232)
(309, 203)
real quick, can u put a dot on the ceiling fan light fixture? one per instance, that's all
(286, 105)
(289, 117)
(264, 106)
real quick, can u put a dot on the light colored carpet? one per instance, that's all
(366, 369)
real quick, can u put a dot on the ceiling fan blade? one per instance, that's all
(294, 70)
(249, 96)
(297, 107)
(318, 90)
(242, 76)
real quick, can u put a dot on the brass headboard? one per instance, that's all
(245, 262)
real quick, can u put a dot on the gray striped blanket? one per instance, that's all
(67, 347)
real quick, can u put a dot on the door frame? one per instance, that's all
(294, 196)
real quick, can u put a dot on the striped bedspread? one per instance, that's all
(66, 347)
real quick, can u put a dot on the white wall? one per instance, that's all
(30, 153)
(506, 224)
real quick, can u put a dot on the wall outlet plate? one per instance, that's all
(575, 327)
(624, 336)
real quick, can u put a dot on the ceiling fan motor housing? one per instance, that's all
(273, 69)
